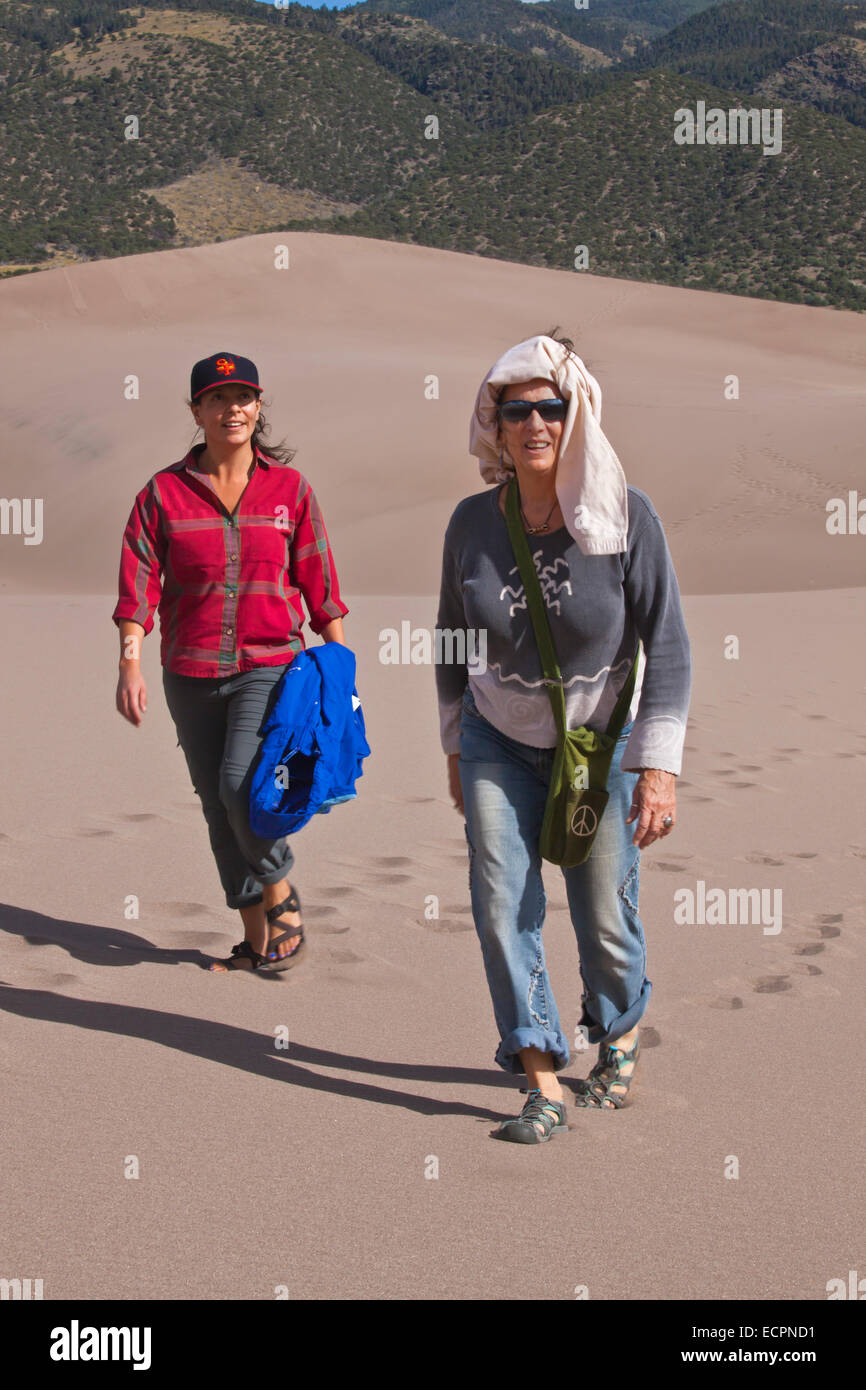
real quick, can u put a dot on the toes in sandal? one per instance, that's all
(598, 1093)
(537, 1122)
(243, 951)
(273, 963)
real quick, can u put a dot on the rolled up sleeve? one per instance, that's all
(142, 559)
(652, 592)
(311, 565)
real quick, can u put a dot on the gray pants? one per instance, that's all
(219, 727)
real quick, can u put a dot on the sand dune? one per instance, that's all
(345, 339)
(115, 1044)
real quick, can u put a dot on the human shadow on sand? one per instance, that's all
(90, 944)
(248, 1051)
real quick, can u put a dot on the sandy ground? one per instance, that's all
(308, 1167)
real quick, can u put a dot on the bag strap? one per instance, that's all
(541, 626)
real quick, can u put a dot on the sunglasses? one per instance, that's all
(551, 408)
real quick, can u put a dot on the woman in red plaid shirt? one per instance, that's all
(226, 543)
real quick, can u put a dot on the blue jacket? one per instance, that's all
(314, 743)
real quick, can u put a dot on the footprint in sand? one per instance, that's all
(140, 815)
(181, 909)
(343, 956)
(450, 921)
(757, 858)
(825, 920)
(666, 866)
(197, 938)
(813, 949)
(324, 927)
(771, 984)
(804, 854)
(650, 1037)
(393, 861)
(340, 890)
(734, 1002)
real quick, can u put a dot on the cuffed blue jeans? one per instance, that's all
(219, 727)
(505, 786)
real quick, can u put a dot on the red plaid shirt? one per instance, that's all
(228, 587)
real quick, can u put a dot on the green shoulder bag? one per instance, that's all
(577, 795)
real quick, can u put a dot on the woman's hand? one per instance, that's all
(454, 786)
(654, 798)
(131, 693)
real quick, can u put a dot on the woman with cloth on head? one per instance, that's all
(239, 538)
(607, 580)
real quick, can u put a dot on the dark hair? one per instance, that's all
(555, 333)
(281, 452)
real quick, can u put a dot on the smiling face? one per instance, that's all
(227, 414)
(533, 444)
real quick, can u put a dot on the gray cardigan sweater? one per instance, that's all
(597, 606)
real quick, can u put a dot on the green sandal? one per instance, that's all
(598, 1092)
(538, 1110)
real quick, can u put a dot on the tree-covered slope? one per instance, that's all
(608, 175)
(384, 123)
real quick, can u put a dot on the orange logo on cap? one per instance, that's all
(225, 365)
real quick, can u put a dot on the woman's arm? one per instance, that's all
(654, 747)
(142, 560)
(451, 680)
(653, 597)
(131, 697)
(451, 676)
(333, 632)
(312, 570)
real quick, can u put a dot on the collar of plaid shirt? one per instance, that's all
(229, 587)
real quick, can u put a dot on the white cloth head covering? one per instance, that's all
(590, 482)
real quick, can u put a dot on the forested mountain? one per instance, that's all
(551, 28)
(776, 226)
(131, 129)
(743, 41)
(803, 50)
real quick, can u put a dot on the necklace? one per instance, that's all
(535, 530)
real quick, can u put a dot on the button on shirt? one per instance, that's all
(228, 587)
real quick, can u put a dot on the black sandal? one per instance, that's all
(538, 1110)
(243, 951)
(272, 963)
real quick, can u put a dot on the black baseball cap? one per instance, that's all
(221, 368)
